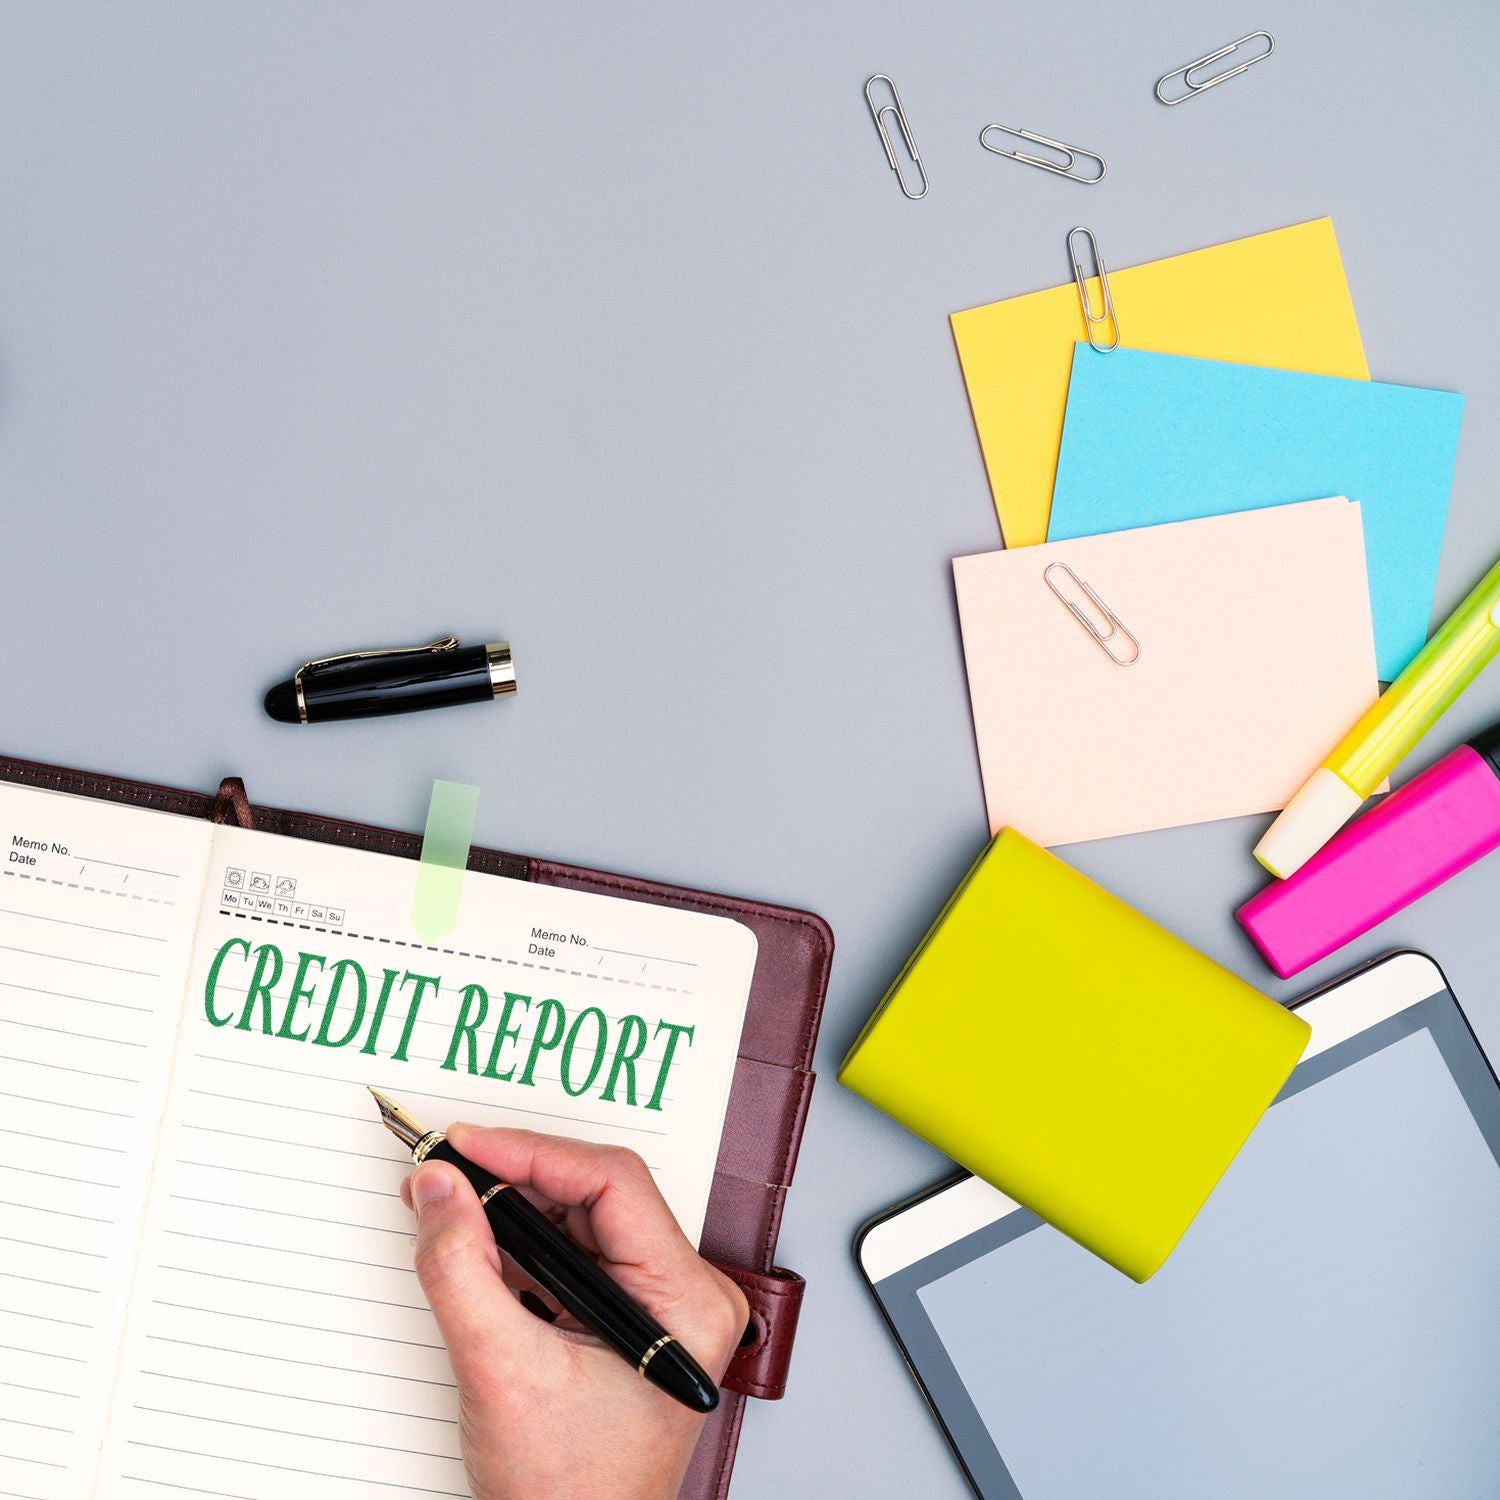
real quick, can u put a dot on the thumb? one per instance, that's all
(486, 1330)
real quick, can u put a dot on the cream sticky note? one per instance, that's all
(1277, 299)
(1253, 653)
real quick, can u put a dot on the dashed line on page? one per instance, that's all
(490, 958)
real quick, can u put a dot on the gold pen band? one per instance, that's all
(647, 1357)
(502, 668)
(428, 1141)
(485, 1197)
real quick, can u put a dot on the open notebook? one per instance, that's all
(205, 1274)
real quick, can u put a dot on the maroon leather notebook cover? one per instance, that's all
(768, 1100)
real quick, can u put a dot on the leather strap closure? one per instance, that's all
(232, 805)
(759, 1366)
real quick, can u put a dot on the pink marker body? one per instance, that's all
(1439, 823)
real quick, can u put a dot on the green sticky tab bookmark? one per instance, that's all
(445, 856)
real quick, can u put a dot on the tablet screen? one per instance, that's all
(1330, 1325)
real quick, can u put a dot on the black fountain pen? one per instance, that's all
(560, 1268)
(395, 680)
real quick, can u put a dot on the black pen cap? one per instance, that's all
(281, 703)
(367, 684)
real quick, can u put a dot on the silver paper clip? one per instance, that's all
(1063, 169)
(1194, 87)
(897, 112)
(1102, 638)
(1107, 314)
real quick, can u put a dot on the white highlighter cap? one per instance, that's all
(1324, 804)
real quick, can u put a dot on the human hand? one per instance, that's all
(547, 1411)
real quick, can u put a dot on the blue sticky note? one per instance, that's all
(1151, 438)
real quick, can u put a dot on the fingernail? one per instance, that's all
(429, 1186)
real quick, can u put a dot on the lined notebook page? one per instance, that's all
(279, 1342)
(97, 909)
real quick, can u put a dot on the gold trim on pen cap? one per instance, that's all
(442, 643)
(489, 1193)
(650, 1354)
(502, 668)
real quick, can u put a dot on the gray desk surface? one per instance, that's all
(605, 327)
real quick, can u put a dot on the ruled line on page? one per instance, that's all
(387, 1484)
(251, 1390)
(36, 916)
(301, 1109)
(65, 1249)
(59, 1213)
(72, 1359)
(346, 1260)
(284, 1213)
(416, 1093)
(260, 1463)
(281, 1286)
(10, 984)
(542, 1078)
(315, 1437)
(64, 958)
(341, 1187)
(33, 1062)
(655, 958)
(40, 1390)
(64, 1286)
(136, 869)
(268, 1140)
(393, 1160)
(6, 1166)
(57, 1140)
(82, 1036)
(310, 1364)
(191, 1489)
(348, 1333)
(118, 1114)
(44, 1318)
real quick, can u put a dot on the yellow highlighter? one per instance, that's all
(1464, 643)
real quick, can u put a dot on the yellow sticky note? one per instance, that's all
(1277, 299)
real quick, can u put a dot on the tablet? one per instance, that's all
(1329, 1326)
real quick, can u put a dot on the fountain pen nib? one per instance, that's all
(397, 1121)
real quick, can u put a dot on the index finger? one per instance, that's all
(630, 1220)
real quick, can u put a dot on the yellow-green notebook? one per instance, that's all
(1068, 1050)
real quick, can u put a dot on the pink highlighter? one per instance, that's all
(1439, 823)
